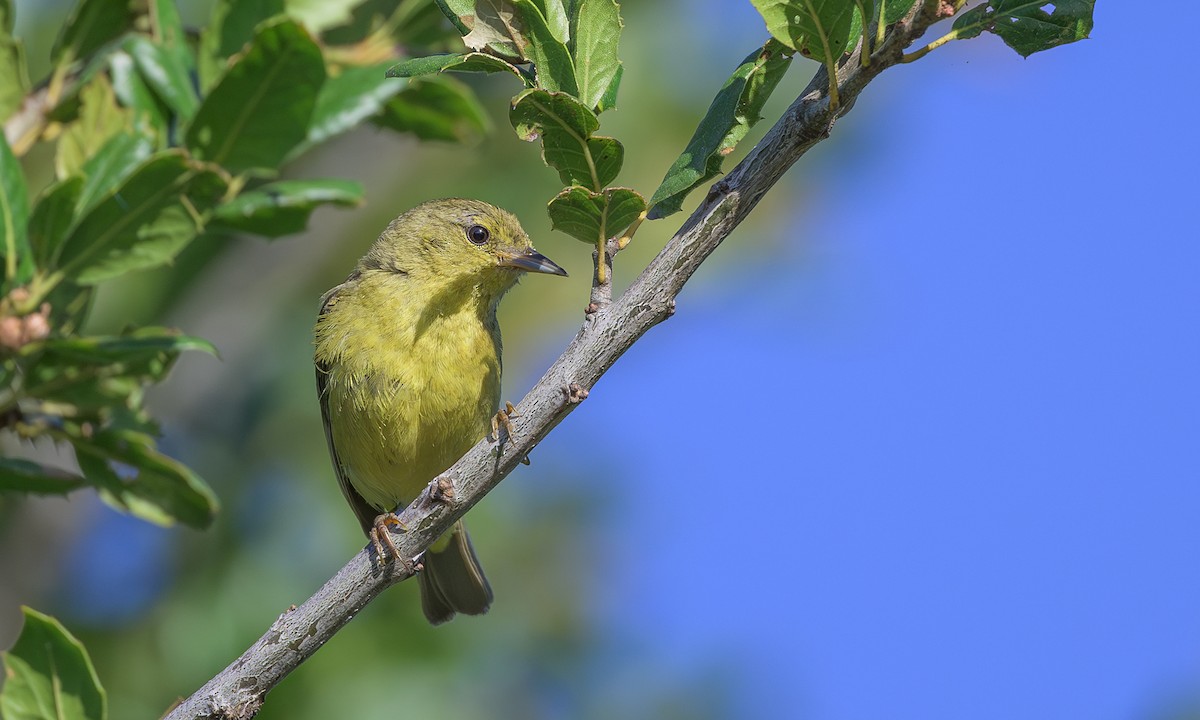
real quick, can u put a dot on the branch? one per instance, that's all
(609, 330)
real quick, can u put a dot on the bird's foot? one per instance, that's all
(502, 419)
(381, 538)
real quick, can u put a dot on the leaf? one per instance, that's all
(48, 674)
(91, 25)
(437, 108)
(565, 127)
(494, 26)
(99, 119)
(228, 31)
(469, 62)
(26, 476)
(283, 208)
(134, 348)
(149, 114)
(166, 73)
(145, 223)
(557, 19)
(109, 167)
(261, 108)
(161, 490)
(14, 216)
(896, 9)
(14, 75)
(551, 59)
(597, 67)
(732, 113)
(1025, 26)
(53, 215)
(345, 101)
(321, 15)
(594, 217)
(100, 379)
(819, 29)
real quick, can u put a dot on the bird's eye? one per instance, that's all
(478, 234)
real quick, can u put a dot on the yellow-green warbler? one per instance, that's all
(408, 372)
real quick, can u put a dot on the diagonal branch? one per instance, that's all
(239, 690)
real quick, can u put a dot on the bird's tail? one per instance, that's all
(452, 581)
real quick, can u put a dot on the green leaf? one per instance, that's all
(26, 476)
(111, 165)
(469, 62)
(557, 19)
(819, 29)
(565, 127)
(14, 75)
(91, 25)
(162, 490)
(1025, 26)
(53, 215)
(551, 59)
(14, 216)
(345, 101)
(150, 115)
(594, 217)
(228, 31)
(100, 380)
(733, 112)
(321, 15)
(893, 10)
(100, 118)
(261, 108)
(166, 74)
(437, 108)
(134, 348)
(144, 223)
(597, 67)
(282, 208)
(49, 675)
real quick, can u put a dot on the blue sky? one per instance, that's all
(938, 457)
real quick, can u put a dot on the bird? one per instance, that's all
(408, 365)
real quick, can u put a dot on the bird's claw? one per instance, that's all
(503, 418)
(381, 539)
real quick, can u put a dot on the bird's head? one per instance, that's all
(459, 242)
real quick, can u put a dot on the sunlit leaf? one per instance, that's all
(345, 101)
(100, 118)
(468, 62)
(227, 32)
(551, 59)
(14, 76)
(144, 223)
(166, 73)
(261, 108)
(597, 67)
(48, 674)
(14, 215)
(282, 208)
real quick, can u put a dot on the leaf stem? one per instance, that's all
(918, 54)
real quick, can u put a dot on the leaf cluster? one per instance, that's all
(161, 137)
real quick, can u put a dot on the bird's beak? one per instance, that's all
(531, 261)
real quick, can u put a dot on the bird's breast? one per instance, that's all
(408, 399)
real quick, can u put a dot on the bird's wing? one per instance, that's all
(362, 510)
